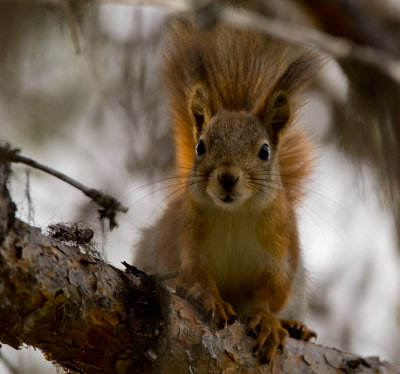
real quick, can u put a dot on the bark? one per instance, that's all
(90, 317)
(81, 312)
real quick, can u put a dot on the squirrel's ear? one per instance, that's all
(275, 113)
(279, 113)
(277, 108)
(299, 73)
(199, 108)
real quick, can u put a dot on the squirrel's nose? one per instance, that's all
(228, 180)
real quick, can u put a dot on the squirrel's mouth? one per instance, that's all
(229, 201)
(227, 198)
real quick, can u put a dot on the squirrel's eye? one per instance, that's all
(200, 148)
(264, 152)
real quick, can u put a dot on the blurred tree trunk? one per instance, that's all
(90, 317)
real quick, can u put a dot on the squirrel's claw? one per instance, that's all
(215, 308)
(298, 330)
(271, 337)
(218, 310)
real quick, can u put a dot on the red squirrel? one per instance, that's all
(231, 231)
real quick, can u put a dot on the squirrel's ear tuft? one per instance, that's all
(274, 113)
(299, 73)
(276, 109)
(199, 108)
(280, 112)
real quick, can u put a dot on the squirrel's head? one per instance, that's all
(234, 162)
(236, 159)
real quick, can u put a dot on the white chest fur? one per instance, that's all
(233, 252)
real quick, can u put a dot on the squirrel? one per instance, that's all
(241, 161)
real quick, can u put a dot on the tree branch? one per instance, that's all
(90, 317)
(109, 204)
(84, 314)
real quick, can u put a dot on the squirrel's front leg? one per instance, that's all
(264, 324)
(199, 285)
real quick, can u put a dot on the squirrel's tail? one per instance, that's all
(296, 162)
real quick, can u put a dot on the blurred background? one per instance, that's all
(81, 91)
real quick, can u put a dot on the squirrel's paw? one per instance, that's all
(298, 330)
(269, 334)
(216, 309)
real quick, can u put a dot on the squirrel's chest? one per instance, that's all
(234, 252)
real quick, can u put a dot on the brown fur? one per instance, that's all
(232, 233)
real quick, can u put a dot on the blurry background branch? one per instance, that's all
(336, 47)
(377, 53)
